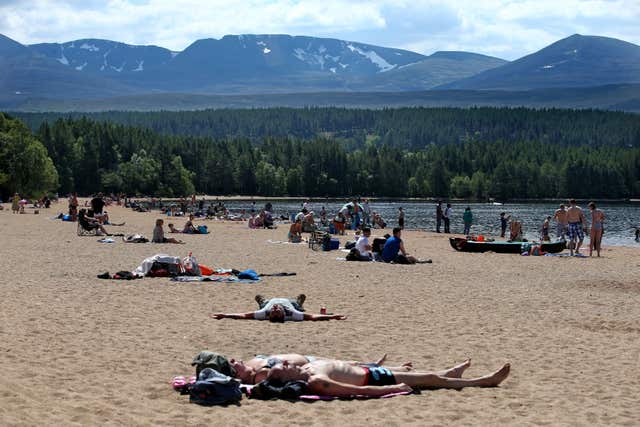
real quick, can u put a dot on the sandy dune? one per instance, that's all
(76, 350)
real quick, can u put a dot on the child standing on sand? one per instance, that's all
(15, 203)
(401, 218)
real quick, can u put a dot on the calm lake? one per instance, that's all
(621, 219)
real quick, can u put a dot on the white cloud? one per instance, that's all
(498, 27)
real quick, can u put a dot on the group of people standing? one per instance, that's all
(571, 223)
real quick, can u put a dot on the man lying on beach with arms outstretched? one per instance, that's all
(279, 310)
(342, 379)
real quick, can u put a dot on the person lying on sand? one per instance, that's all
(341, 379)
(257, 369)
(279, 310)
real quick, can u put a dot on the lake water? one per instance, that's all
(621, 219)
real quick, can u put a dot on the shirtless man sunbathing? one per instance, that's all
(257, 369)
(342, 379)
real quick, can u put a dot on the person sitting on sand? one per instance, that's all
(158, 234)
(189, 228)
(295, 231)
(378, 221)
(363, 246)
(279, 310)
(393, 250)
(257, 369)
(173, 229)
(90, 223)
(340, 379)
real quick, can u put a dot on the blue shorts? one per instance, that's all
(575, 231)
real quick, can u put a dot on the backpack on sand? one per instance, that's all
(213, 388)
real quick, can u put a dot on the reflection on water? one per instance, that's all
(619, 225)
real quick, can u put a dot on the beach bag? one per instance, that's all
(248, 275)
(164, 269)
(214, 388)
(190, 265)
(271, 389)
(202, 229)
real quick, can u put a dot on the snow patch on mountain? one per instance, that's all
(174, 54)
(266, 50)
(63, 59)
(118, 69)
(90, 47)
(374, 58)
(140, 66)
(81, 67)
(333, 69)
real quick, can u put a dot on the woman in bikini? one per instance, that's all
(597, 229)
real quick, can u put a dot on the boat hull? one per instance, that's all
(464, 245)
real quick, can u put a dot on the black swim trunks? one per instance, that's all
(378, 375)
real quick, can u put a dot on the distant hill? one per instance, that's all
(298, 70)
(93, 68)
(576, 61)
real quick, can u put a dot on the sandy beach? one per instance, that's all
(77, 350)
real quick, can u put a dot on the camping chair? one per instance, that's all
(85, 228)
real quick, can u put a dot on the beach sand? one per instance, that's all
(77, 350)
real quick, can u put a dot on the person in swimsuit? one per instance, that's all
(597, 229)
(257, 369)
(341, 379)
(278, 310)
(575, 218)
(545, 229)
(560, 217)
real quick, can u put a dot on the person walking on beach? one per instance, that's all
(446, 216)
(560, 216)
(575, 231)
(341, 379)
(504, 223)
(467, 217)
(597, 229)
(438, 215)
(400, 218)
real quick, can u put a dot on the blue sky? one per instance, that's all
(507, 29)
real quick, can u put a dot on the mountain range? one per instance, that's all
(102, 71)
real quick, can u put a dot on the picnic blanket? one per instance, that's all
(213, 278)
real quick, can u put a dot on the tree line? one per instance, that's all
(408, 128)
(87, 156)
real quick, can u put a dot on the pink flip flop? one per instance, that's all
(178, 383)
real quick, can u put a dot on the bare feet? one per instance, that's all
(497, 377)
(458, 370)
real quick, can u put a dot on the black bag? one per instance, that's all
(272, 389)
(164, 269)
(213, 388)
